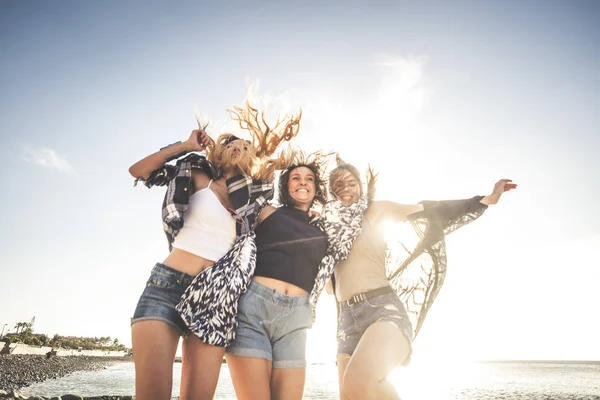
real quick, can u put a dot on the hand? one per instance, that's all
(313, 214)
(199, 140)
(503, 185)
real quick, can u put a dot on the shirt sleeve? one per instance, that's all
(159, 177)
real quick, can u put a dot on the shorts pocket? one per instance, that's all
(161, 282)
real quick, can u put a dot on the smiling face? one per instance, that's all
(302, 187)
(346, 187)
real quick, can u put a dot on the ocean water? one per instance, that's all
(489, 381)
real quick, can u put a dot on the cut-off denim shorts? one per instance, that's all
(272, 326)
(354, 320)
(162, 293)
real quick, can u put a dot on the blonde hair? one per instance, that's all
(265, 141)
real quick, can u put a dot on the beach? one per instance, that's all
(18, 371)
(521, 380)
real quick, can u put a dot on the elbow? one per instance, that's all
(137, 172)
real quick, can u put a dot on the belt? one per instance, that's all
(359, 298)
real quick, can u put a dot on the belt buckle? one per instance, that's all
(357, 298)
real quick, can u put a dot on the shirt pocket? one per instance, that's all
(182, 190)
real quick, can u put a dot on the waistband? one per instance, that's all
(181, 277)
(359, 298)
(271, 294)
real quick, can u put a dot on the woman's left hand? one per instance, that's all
(503, 185)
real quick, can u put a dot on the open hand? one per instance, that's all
(503, 185)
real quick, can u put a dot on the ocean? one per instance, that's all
(531, 380)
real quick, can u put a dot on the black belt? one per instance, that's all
(359, 298)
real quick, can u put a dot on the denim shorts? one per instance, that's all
(272, 326)
(354, 320)
(162, 293)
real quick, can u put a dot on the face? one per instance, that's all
(237, 155)
(347, 188)
(237, 149)
(302, 187)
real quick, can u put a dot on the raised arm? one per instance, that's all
(503, 185)
(448, 209)
(197, 141)
(393, 211)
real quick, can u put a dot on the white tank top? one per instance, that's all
(208, 228)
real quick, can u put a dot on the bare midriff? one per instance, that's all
(281, 287)
(186, 262)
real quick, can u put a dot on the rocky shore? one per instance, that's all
(18, 371)
(11, 395)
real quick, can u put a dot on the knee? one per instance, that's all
(359, 385)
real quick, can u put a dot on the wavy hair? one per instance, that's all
(343, 166)
(266, 139)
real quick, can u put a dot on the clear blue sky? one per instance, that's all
(443, 97)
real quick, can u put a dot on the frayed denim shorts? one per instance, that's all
(354, 320)
(272, 326)
(162, 293)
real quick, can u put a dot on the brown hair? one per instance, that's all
(343, 166)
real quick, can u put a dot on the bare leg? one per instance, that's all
(382, 348)
(251, 377)
(288, 383)
(154, 344)
(200, 369)
(342, 363)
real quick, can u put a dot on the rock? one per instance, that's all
(71, 397)
(17, 371)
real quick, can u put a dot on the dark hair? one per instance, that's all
(284, 193)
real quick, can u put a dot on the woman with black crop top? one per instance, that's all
(267, 358)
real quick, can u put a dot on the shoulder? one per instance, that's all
(265, 213)
(197, 161)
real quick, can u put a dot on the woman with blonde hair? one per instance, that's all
(385, 288)
(209, 209)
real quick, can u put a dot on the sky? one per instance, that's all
(442, 98)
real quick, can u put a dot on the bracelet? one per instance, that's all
(176, 155)
(169, 145)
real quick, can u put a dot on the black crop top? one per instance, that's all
(289, 248)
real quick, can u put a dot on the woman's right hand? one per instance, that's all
(198, 141)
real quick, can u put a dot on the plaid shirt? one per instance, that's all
(248, 196)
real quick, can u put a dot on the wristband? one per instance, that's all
(169, 145)
(176, 155)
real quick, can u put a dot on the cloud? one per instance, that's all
(47, 158)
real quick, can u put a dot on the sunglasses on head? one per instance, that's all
(233, 138)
